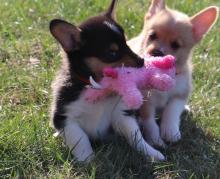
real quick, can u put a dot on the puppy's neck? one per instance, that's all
(73, 67)
(186, 67)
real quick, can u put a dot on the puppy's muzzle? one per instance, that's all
(140, 62)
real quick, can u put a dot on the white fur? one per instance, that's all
(173, 104)
(79, 142)
(171, 119)
(128, 127)
(152, 132)
(85, 120)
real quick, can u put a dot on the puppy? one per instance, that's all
(165, 32)
(97, 43)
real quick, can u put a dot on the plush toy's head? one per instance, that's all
(160, 73)
(166, 62)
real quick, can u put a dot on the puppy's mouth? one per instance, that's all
(160, 53)
(157, 53)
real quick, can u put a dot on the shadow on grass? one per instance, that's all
(195, 156)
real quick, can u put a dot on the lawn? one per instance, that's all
(29, 58)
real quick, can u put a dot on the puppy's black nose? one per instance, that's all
(156, 53)
(140, 62)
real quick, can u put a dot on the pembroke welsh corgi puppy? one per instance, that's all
(168, 31)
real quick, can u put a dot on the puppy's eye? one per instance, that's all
(175, 45)
(112, 55)
(153, 36)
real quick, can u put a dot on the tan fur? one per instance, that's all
(170, 26)
(97, 66)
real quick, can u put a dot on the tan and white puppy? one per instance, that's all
(168, 31)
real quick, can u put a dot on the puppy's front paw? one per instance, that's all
(157, 156)
(170, 132)
(84, 157)
(152, 134)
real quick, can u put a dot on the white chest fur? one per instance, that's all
(183, 87)
(94, 119)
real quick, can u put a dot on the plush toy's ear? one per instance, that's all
(110, 72)
(203, 21)
(66, 34)
(155, 7)
(111, 10)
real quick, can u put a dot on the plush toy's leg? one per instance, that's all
(93, 95)
(127, 126)
(171, 120)
(162, 82)
(150, 127)
(77, 141)
(132, 97)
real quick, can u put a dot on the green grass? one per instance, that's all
(27, 148)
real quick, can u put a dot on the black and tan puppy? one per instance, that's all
(89, 47)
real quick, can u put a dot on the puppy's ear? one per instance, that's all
(156, 6)
(66, 34)
(111, 10)
(203, 21)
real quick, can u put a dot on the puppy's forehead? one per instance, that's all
(113, 27)
(99, 23)
(171, 26)
(170, 18)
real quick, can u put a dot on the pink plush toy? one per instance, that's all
(157, 73)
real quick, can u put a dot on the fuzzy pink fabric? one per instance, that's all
(157, 73)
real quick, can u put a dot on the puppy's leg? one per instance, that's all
(150, 127)
(127, 126)
(77, 140)
(171, 120)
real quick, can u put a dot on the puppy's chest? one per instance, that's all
(94, 119)
(181, 89)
